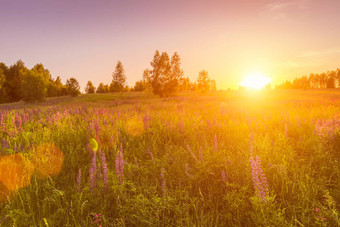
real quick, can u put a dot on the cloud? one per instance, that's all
(281, 9)
(320, 53)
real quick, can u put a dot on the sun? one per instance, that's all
(255, 81)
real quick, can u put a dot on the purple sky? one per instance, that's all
(283, 39)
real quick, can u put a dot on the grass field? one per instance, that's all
(235, 158)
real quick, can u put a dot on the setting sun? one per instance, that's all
(255, 81)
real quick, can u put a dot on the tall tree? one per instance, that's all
(212, 85)
(44, 73)
(331, 79)
(175, 76)
(34, 87)
(2, 78)
(323, 80)
(337, 76)
(73, 87)
(147, 85)
(89, 89)
(139, 86)
(165, 74)
(101, 88)
(203, 81)
(160, 72)
(118, 78)
(14, 80)
(3, 74)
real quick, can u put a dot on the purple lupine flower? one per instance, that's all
(181, 126)
(209, 124)
(146, 121)
(151, 155)
(259, 178)
(118, 113)
(200, 155)
(263, 177)
(215, 143)
(97, 128)
(99, 167)
(79, 181)
(93, 171)
(186, 170)
(105, 176)
(224, 178)
(163, 181)
(5, 144)
(2, 121)
(88, 148)
(191, 153)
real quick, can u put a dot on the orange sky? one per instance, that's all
(283, 39)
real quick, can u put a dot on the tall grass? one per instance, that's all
(224, 160)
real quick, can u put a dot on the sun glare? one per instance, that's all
(255, 81)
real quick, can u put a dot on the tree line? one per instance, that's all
(164, 78)
(329, 79)
(17, 82)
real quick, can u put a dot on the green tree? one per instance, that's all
(165, 74)
(203, 81)
(331, 79)
(89, 89)
(330, 82)
(3, 94)
(212, 85)
(184, 84)
(139, 86)
(118, 78)
(101, 88)
(147, 85)
(56, 88)
(323, 80)
(33, 87)
(73, 87)
(14, 80)
(44, 73)
(2, 78)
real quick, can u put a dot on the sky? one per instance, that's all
(282, 39)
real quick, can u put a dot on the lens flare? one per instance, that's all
(255, 81)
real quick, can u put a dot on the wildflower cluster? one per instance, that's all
(93, 171)
(327, 128)
(259, 178)
(105, 174)
(96, 219)
(163, 181)
(79, 181)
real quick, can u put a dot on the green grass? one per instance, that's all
(301, 166)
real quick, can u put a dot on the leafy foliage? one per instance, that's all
(119, 78)
(73, 87)
(89, 89)
(34, 86)
(165, 74)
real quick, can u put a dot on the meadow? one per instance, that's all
(236, 158)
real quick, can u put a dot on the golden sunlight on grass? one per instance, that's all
(15, 172)
(47, 159)
(255, 81)
(134, 126)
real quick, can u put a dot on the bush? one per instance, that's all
(34, 87)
